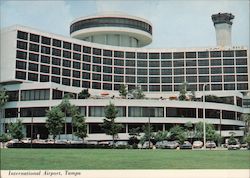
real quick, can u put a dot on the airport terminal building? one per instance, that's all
(106, 51)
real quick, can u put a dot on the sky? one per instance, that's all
(176, 23)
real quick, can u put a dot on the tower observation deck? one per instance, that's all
(113, 29)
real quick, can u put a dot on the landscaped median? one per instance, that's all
(75, 159)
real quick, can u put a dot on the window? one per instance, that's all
(154, 72)
(179, 71)
(55, 79)
(77, 56)
(22, 35)
(20, 75)
(130, 79)
(154, 63)
(229, 78)
(86, 58)
(181, 112)
(228, 53)
(20, 65)
(44, 78)
(56, 52)
(215, 53)
(203, 62)
(22, 45)
(56, 70)
(203, 79)
(242, 86)
(34, 112)
(166, 63)
(230, 86)
(66, 45)
(178, 55)
(190, 54)
(97, 51)
(34, 47)
(66, 63)
(107, 53)
(130, 55)
(12, 95)
(97, 60)
(130, 63)
(166, 71)
(228, 69)
(77, 65)
(41, 94)
(191, 71)
(145, 111)
(85, 75)
(11, 113)
(86, 49)
(67, 54)
(45, 50)
(76, 74)
(96, 68)
(33, 57)
(96, 77)
(56, 61)
(142, 80)
(190, 62)
(119, 54)
(242, 78)
(57, 43)
(119, 62)
(107, 61)
(228, 61)
(191, 79)
(154, 87)
(33, 67)
(44, 69)
(66, 72)
(76, 83)
(154, 56)
(166, 79)
(107, 78)
(215, 62)
(241, 69)
(216, 87)
(85, 84)
(32, 77)
(45, 40)
(241, 53)
(217, 78)
(119, 70)
(130, 71)
(45, 59)
(154, 79)
(119, 78)
(86, 67)
(96, 85)
(34, 38)
(203, 54)
(241, 61)
(21, 55)
(216, 70)
(166, 88)
(77, 47)
(142, 72)
(142, 56)
(166, 55)
(203, 70)
(66, 81)
(57, 94)
(179, 79)
(107, 86)
(142, 63)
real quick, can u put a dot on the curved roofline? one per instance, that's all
(102, 15)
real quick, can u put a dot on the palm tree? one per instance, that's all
(246, 118)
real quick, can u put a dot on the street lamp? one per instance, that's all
(204, 115)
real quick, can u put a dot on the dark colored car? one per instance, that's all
(186, 145)
(171, 145)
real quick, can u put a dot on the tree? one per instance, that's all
(54, 123)
(109, 126)
(84, 94)
(148, 133)
(16, 130)
(161, 136)
(138, 93)
(3, 97)
(183, 91)
(232, 140)
(246, 117)
(210, 132)
(189, 129)
(123, 91)
(78, 122)
(192, 95)
(134, 133)
(177, 133)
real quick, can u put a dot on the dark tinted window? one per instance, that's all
(66, 45)
(34, 38)
(57, 43)
(77, 47)
(20, 75)
(20, 65)
(45, 40)
(22, 35)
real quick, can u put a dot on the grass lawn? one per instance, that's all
(122, 159)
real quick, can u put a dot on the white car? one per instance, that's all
(197, 144)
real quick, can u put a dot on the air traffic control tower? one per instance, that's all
(223, 25)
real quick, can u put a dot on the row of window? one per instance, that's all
(103, 52)
(99, 111)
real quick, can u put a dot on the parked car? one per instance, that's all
(161, 144)
(186, 145)
(11, 142)
(244, 145)
(197, 144)
(171, 145)
(26, 140)
(121, 144)
(146, 145)
(210, 144)
(233, 147)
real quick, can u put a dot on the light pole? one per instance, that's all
(204, 115)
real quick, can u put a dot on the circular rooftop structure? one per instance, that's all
(113, 29)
